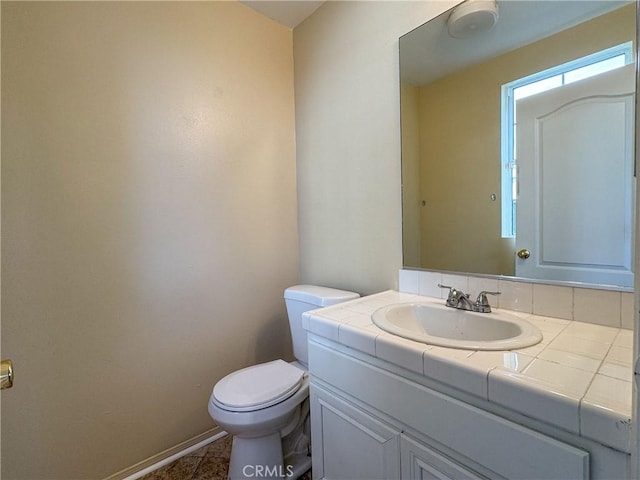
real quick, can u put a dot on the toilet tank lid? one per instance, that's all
(320, 296)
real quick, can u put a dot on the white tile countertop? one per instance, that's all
(577, 378)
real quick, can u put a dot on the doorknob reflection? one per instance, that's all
(524, 254)
(6, 374)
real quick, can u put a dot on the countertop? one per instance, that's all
(577, 378)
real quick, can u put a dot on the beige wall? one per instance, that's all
(411, 208)
(148, 218)
(348, 140)
(460, 146)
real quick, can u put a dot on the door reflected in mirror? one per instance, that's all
(521, 138)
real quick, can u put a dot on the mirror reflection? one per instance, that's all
(517, 143)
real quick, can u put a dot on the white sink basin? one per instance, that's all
(437, 324)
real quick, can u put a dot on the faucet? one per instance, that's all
(460, 300)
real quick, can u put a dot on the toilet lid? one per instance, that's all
(258, 386)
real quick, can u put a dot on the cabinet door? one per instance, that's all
(420, 462)
(348, 443)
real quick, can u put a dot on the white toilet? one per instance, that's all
(265, 407)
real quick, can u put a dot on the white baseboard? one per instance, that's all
(164, 458)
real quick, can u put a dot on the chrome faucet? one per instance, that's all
(460, 300)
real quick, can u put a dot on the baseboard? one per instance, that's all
(164, 458)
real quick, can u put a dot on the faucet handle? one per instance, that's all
(482, 303)
(455, 296)
(454, 292)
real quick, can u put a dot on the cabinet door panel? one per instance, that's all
(420, 462)
(348, 443)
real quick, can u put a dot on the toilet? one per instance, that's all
(266, 407)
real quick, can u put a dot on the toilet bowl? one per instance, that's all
(266, 407)
(259, 422)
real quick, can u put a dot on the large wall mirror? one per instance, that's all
(518, 143)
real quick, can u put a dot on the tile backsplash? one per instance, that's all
(602, 307)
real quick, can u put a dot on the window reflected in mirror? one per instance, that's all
(522, 138)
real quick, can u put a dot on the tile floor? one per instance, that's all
(211, 462)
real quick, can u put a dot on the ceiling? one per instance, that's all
(289, 13)
(428, 52)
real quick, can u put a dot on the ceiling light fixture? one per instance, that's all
(472, 17)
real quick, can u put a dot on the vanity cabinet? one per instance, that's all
(352, 443)
(356, 445)
(349, 443)
(372, 423)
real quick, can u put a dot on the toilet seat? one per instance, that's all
(258, 386)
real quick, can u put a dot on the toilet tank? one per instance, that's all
(302, 298)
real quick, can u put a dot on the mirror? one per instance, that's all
(490, 168)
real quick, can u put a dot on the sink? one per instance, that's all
(436, 324)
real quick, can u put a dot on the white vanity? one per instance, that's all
(386, 407)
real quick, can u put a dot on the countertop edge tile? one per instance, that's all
(457, 373)
(324, 327)
(404, 353)
(360, 338)
(516, 392)
(605, 425)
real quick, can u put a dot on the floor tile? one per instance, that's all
(183, 468)
(210, 462)
(221, 448)
(211, 468)
(201, 452)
